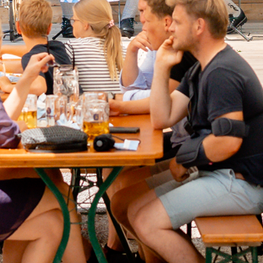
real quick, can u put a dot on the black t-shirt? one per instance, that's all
(178, 71)
(57, 49)
(229, 84)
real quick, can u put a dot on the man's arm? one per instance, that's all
(216, 148)
(219, 148)
(130, 69)
(129, 107)
(140, 106)
(166, 110)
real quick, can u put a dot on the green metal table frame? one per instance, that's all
(231, 258)
(103, 186)
(64, 210)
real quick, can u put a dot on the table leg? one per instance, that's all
(92, 212)
(117, 226)
(64, 210)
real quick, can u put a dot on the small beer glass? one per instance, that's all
(29, 111)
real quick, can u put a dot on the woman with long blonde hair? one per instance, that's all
(97, 50)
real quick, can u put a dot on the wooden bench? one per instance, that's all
(231, 231)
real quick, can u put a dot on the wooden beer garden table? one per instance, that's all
(150, 148)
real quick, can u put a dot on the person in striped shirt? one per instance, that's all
(96, 50)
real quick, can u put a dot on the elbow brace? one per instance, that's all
(229, 127)
(192, 153)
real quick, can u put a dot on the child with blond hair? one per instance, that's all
(35, 22)
(97, 49)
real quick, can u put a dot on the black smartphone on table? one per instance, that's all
(124, 129)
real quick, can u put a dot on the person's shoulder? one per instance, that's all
(38, 48)
(55, 43)
(58, 50)
(57, 47)
(86, 43)
(229, 60)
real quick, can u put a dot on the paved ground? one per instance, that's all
(252, 51)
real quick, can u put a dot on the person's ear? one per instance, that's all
(49, 29)
(86, 26)
(18, 29)
(200, 25)
(167, 23)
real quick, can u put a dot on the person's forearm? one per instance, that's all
(17, 50)
(130, 107)
(130, 69)
(7, 88)
(38, 86)
(160, 100)
(12, 66)
(136, 106)
(16, 100)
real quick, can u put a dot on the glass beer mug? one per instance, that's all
(65, 82)
(95, 118)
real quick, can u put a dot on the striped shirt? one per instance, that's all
(90, 60)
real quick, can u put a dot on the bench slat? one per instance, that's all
(230, 230)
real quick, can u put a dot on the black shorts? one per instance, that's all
(18, 198)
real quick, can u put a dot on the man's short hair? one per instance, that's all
(35, 16)
(213, 11)
(160, 8)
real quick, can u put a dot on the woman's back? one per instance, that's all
(97, 48)
(91, 62)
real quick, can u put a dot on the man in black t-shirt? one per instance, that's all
(156, 18)
(223, 100)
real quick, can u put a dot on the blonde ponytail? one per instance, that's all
(98, 14)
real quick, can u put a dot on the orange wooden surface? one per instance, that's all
(227, 230)
(150, 148)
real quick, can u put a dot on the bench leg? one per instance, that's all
(208, 256)
(254, 253)
(234, 257)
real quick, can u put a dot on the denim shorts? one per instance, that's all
(213, 193)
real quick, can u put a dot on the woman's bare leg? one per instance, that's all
(48, 203)
(43, 232)
(10, 246)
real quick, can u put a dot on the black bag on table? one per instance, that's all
(57, 139)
